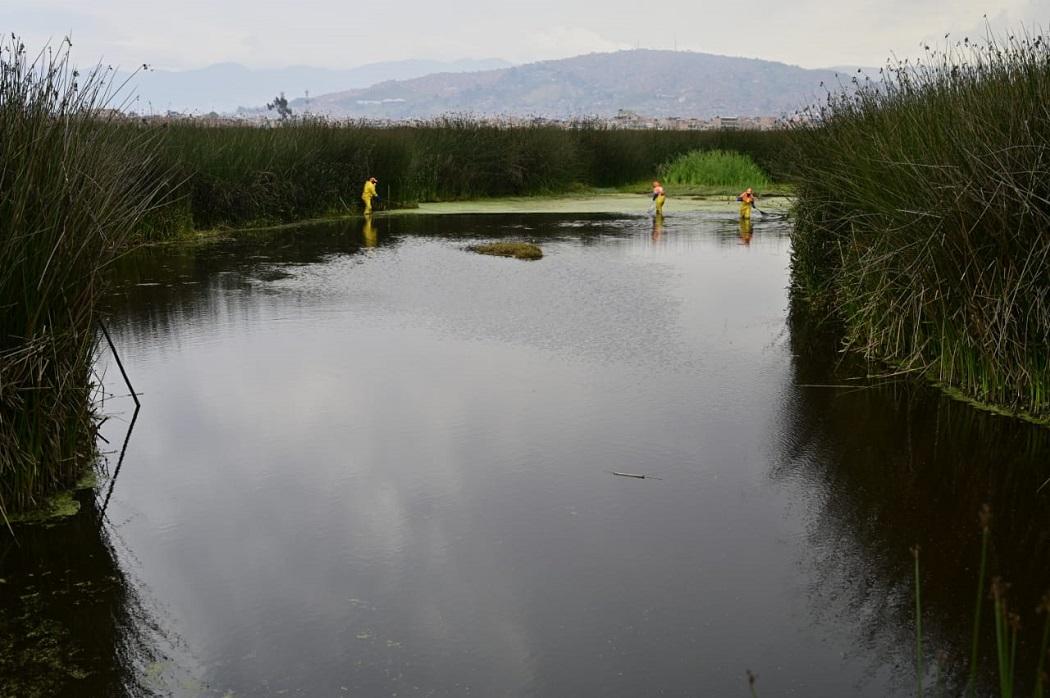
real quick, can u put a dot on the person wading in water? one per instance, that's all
(747, 202)
(369, 193)
(659, 197)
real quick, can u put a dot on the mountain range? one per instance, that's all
(650, 82)
(226, 86)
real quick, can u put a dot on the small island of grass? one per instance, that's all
(517, 250)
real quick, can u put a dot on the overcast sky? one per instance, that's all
(181, 34)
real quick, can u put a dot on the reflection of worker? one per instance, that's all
(747, 202)
(658, 226)
(745, 231)
(368, 232)
(659, 198)
(369, 193)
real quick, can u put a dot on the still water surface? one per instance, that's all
(371, 463)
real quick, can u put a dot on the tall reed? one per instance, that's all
(924, 217)
(72, 190)
(237, 174)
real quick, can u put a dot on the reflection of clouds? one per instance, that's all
(617, 310)
(394, 474)
(365, 514)
(563, 303)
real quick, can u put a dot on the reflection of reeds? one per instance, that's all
(1044, 647)
(72, 189)
(918, 620)
(922, 215)
(75, 622)
(1007, 625)
(900, 464)
(985, 517)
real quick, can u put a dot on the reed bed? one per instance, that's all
(924, 218)
(237, 175)
(72, 191)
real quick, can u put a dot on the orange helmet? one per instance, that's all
(656, 183)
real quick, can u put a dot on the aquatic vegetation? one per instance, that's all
(923, 210)
(517, 250)
(716, 168)
(238, 175)
(72, 190)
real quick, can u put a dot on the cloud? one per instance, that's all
(271, 33)
(562, 41)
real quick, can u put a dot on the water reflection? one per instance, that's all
(120, 461)
(658, 226)
(746, 229)
(384, 472)
(368, 232)
(885, 465)
(72, 623)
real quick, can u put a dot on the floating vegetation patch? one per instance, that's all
(60, 506)
(517, 250)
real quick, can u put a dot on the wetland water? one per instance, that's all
(371, 463)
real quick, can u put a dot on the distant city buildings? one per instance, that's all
(631, 120)
(624, 119)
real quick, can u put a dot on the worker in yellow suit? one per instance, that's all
(659, 197)
(369, 193)
(747, 202)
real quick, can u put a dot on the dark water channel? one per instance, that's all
(370, 463)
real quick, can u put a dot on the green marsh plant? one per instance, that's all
(924, 218)
(715, 168)
(235, 175)
(73, 188)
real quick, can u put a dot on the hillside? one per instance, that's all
(226, 86)
(654, 83)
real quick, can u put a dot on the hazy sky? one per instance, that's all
(183, 34)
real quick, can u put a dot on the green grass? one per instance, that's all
(719, 169)
(923, 209)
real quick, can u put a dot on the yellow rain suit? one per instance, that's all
(368, 194)
(658, 199)
(747, 201)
